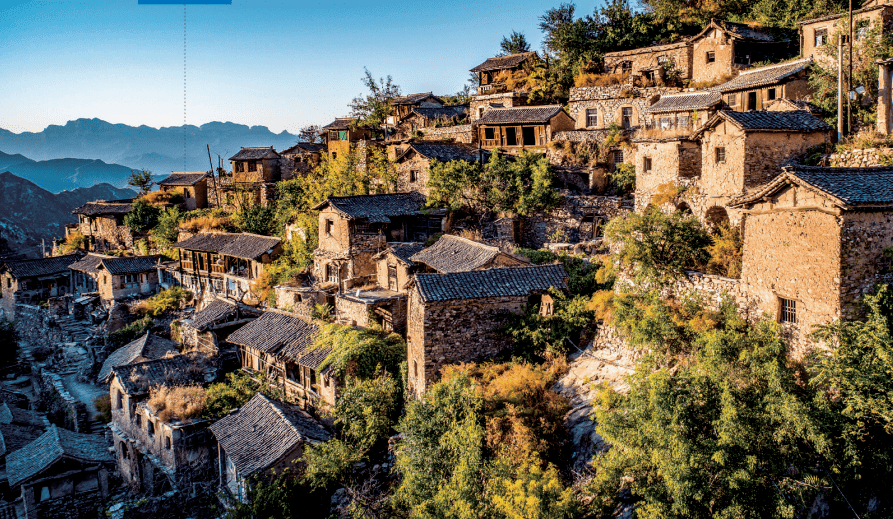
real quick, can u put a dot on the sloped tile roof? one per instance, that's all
(851, 187)
(216, 311)
(340, 123)
(130, 264)
(784, 104)
(263, 432)
(40, 267)
(412, 99)
(179, 370)
(841, 15)
(793, 121)
(88, 263)
(282, 335)
(239, 245)
(738, 31)
(100, 207)
(304, 147)
(265, 152)
(445, 152)
(764, 76)
(520, 115)
(147, 347)
(503, 62)
(52, 446)
(499, 282)
(685, 102)
(401, 251)
(646, 50)
(16, 436)
(377, 208)
(444, 112)
(453, 253)
(184, 179)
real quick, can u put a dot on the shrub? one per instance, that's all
(725, 252)
(104, 408)
(178, 402)
(129, 332)
(174, 196)
(602, 305)
(590, 80)
(73, 242)
(624, 177)
(142, 217)
(256, 219)
(164, 302)
(167, 231)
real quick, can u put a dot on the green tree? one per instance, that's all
(142, 217)
(536, 336)
(514, 43)
(359, 352)
(257, 219)
(273, 498)
(658, 246)
(238, 389)
(141, 180)
(166, 230)
(373, 108)
(526, 490)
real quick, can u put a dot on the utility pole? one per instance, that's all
(849, 78)
(213, 176)
(839, 87)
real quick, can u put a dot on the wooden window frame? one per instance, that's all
(710, 56)
(787, 310)
(647, 164)
(719, 154)
(591, 117)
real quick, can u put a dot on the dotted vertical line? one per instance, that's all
(184, 85)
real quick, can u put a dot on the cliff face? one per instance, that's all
(29, 213)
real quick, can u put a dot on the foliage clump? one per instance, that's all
(164, 302)
(177, 403)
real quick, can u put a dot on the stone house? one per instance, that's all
(206, 331)
(85, 274)
(492, 71)
(157, 453)
(675, 161)
(61, 474)
(723, 48)
(651, 63)
(300, 159)
(816, 33)
(128, 276)
(813, 244)
(102, 223)
(256, 165)
(597, 108)
(403, 106)
(754, 89)
(676, 114)
(451, 254)
(394, 266)
(262, 437)
(29, 282)
(413, 162)
(225, 264)
(147, 347)
(280, 346)
(791, 105)
(741, 151)
(455, 317)
(353, 229)
(517, 129)
(420, 119)
(193, 186)
(479, 104)
(341, 133)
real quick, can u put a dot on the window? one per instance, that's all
(413, 176)
(330, 227)
(626, 117)
(342, 135)
(751, 101)
(334, 155)
(861, 29)
(119, 401)
(665, 123)
(682, 121)
(647, 164)
(44, 493)
(167, 442)
(331, 273)
(252, 165)
(415, 368)
(617, 157)
(788, 312)
(528, 135)
(733, 99)
(661, 60)
(511, 136)
(626, 66)
(711, 56)
(821, 37)
(771, 94)
(489, 134)
(138, 418)
(591, 117)
(720, 153)
(150, 426)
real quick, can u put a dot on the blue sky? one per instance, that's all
(276, 63)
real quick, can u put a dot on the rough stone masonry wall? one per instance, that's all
(72, 413)
(767, 151)
(867, 158)
(461, 133)
(865, 235)
(672, 162)
(420, 165)
(609, 102)
(566, 219)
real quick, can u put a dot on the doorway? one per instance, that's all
(528, 134)
(511, 137)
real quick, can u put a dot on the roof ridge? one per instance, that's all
(774, 65)
(272, 403)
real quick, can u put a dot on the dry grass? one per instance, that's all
(471, 234)
(700, 85)
(208, 224)
(178, 402)
(602, 80)
(865, 139)
(174, 196)
(657, 133)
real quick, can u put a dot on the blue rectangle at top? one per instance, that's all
(186, 2)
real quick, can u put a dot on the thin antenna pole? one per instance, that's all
(839, 87)
(849, 82)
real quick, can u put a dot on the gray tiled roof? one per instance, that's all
(685, 102)
(377, 208)
(646, 50)
(282, 335)
(443, 112)
(793, 121)
(179, 370)
(263, 432)
(503, 62)
(147, 347)
(445, 152)
(52, 446)
(737, 31)
(130, 264)
(304, 147)
(764, 76)
(500, 282)
(102, 208)
(851, 187)
(88, 263)
(401, 251)
(456, 254)
(265, 152)
(412, 99)
(16, 436)
(840, 15)
(216, 311)
(340, 123)
(784, 104)
(520, 115)
(5, 413)
(40, 267)
(183, 179)
(239, 245)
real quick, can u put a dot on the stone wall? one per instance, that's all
(461, 133)
(62, 408)
(609, 103)
(412, 174)
(866, 158)
(566, 220)
(676, 162)
(723, 66)
(650, 58)
(863, 263)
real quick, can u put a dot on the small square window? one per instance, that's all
(647, 164)
(591, 117)
(330, 227)
(788, 312)
(413, 176)
(821, 37)
(772, 94)
(626, 66)
(733, 99)
(720, 155)
(711, 57)
(489, 134)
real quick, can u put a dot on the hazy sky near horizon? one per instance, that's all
(276, 63)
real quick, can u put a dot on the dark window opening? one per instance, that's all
(511, 139)
(413, 176)
(751, 100)
(711, 57)
(528, 134)
(788, 311)
(771, 94)
(647, 164)
(626, 115)
(626, 66)
(252, 166)
(720, 155)
(330, 227)
(489, 133)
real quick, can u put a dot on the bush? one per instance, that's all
(142, 217)
(359, 353)
(178, 402)
(590, 80)
(130, 332)
(256, 219)
(725, 252)
(624, 177)
(74, 242)
(167, 231)
(174, 196)
(164, 302)
(104, 408)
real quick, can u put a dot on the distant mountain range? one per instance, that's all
(113, 148)
(29, 213)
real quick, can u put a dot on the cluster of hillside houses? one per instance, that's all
(814, 239)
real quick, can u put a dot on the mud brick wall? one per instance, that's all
(461, 133)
